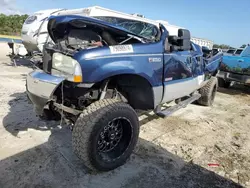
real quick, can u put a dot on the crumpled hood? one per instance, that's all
(57, 26)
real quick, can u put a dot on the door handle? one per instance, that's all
(240, 60)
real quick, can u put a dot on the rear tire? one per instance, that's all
(105, 134)
(208, 92)
(223, 83)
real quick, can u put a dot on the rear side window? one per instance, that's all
(139, 28)
(238, 52)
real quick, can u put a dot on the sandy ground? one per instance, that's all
(172, 152)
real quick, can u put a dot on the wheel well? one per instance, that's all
(136, 89)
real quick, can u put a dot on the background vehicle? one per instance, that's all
(238, 51)
(235, 68)
(96, 74)
(35, 34)
(216, 50)
(203, 42)
(31, 26)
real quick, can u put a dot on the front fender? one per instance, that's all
(98, 69)
(117, 68)
(146, 60)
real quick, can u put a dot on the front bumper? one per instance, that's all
(234, 77)
(40, 88)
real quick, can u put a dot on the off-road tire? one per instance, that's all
(223, 83)
(208, 92)
(89, 125)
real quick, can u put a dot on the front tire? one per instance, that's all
(105, 134)
(208, 92)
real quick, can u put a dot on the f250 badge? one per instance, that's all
(154, 59)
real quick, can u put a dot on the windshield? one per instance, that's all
(139, 28)
(246, 52)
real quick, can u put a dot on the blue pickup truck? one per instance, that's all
(235, 68)
(96, 74)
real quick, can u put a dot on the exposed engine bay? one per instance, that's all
(79, 34)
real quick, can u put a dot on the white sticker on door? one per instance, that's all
(118, 49)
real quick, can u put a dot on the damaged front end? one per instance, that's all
(60, 86)
(40, 87)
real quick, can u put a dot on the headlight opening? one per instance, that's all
(67, 67)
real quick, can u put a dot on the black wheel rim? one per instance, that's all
(114, 138)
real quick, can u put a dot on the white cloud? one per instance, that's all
(9, 7)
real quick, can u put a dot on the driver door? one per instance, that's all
(179, 80)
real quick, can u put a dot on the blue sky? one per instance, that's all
(223, 21)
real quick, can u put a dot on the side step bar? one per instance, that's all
(167, 112)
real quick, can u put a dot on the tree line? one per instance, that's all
(11, 24)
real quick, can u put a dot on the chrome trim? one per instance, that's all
(85, 85)
(179, 88)
(41, 84)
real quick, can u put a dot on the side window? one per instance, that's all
(238, 52)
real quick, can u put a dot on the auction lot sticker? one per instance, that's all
(118, 49)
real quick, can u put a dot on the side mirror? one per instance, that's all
(181, 42)
(184, 43)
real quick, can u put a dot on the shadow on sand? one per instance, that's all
(53, 163)
(236, 89)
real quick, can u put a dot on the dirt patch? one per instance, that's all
(196, 147)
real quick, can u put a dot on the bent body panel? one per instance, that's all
(181, 88)
(145, 60)
(40, 87)
(213, 63)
